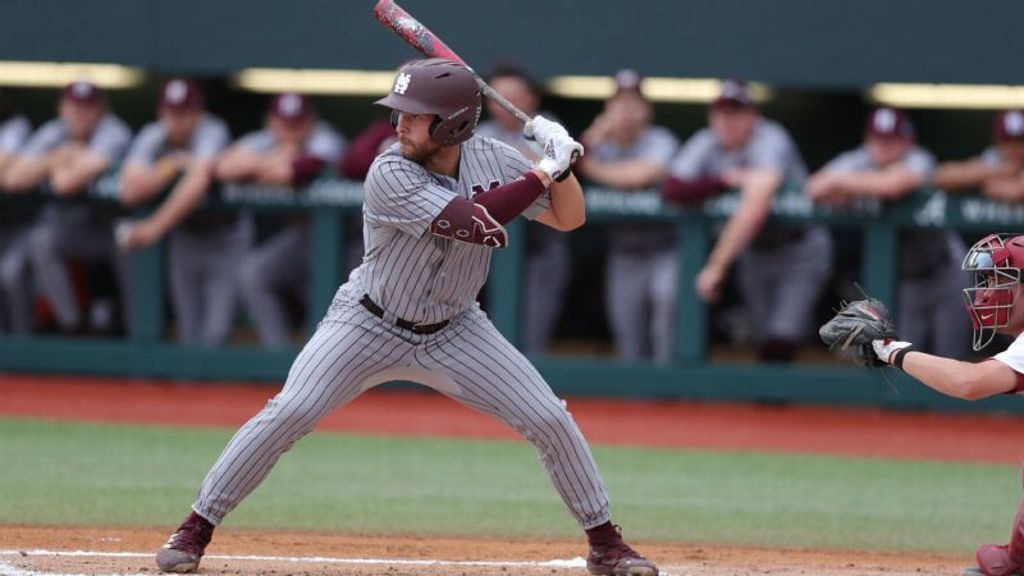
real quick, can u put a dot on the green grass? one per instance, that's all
(63, 473)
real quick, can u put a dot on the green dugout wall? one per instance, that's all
(148, 353)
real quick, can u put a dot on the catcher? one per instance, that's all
(865, 330)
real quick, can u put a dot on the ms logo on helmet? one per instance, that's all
(402, 83)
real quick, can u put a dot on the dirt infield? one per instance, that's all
(26, 551)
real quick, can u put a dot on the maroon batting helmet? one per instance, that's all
(442, 88)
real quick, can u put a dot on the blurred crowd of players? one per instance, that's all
(218, 262)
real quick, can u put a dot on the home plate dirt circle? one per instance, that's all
(120, 551)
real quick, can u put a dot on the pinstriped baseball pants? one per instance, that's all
(469, 361)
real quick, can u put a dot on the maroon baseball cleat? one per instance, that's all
(994, 560)
(611, 556)
(185, 547)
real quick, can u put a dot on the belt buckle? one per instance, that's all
(428, 328)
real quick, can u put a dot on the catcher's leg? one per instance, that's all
(1003, 560)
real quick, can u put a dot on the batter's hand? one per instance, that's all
(543, 130)
(559, 154)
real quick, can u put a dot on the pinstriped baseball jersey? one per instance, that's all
(408, 271)
(414, 275)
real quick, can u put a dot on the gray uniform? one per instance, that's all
(281, 263)
(931, 310)
(206, 249)
(413, 275)
(992, 157)
(546, 272)
(782, 273)
(15, 221)
(76, 230)
(642, 272)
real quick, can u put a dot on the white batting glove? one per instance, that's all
(891, 351)
(559, 154)
(543, 130)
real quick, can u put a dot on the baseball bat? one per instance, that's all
(393, 16)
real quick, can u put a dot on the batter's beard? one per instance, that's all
(417, 154)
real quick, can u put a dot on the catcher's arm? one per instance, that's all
(864, 330)
(966, 380)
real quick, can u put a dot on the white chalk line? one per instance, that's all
(8, 570)
(574, 563)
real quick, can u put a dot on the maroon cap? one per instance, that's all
(889, 122)
(82, 91)
(291, 106)
(734, 93)
(1009, 125)
(628, 80)
(181, 94)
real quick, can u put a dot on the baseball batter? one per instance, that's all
(997, 170)
(435, 204)
(996, 306)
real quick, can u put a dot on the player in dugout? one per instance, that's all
(999, 170)
(176, 154)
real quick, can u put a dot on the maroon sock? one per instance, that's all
(602, 534)
(194, 519)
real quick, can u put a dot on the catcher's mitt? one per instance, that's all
(853, 328)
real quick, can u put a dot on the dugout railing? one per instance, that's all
(147, 351)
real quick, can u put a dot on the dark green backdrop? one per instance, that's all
(818, 43)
